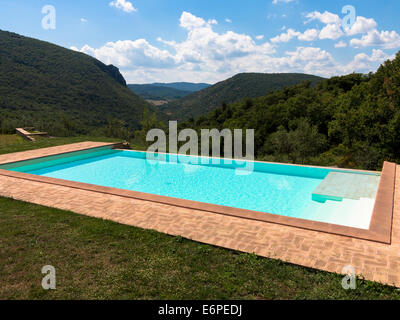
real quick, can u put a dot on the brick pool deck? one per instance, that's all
(373, 260)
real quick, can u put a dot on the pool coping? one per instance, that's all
(100, 145)
(380, 227)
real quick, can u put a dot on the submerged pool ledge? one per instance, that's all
(379, 231)
(344, 185)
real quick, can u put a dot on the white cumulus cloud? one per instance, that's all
(131, 53)
(325, 17)
(191, 22)
(206, 55)
(331, 31)
(308, 35)
(362, 25)
(123, 5)
(363, 61)
(366, 27)
(374, 38)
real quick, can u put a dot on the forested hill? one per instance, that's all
(231, 90)
(350, 121)
(48, 86)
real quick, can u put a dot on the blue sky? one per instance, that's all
(209, 41)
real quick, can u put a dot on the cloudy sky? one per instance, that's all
(211, 40)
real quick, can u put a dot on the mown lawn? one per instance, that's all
(96, 259)
(14, 143)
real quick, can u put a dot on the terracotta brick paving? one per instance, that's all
(37, 153)
(374, 261)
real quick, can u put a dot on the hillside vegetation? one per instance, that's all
(349, 121)
(244, 85)
(60, 90)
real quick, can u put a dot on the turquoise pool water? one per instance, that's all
(272, 188)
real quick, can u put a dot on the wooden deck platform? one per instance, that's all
(29, 135)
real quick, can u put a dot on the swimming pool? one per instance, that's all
(311, 193)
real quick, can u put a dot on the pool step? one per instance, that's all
(339, 185)
(351, 213)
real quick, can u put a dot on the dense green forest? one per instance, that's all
(153, 92)
(349, 121)
(62, 91)
(231, 90)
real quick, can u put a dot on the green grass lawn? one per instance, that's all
(97, 259)
(14, 143)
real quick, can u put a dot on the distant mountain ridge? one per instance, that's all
(42, 84)
(154, 92)
(243, 85)
(185, 86)
(161, 93)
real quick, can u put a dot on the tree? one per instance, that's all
(117, 129)
(300, 144)
(149, 121)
